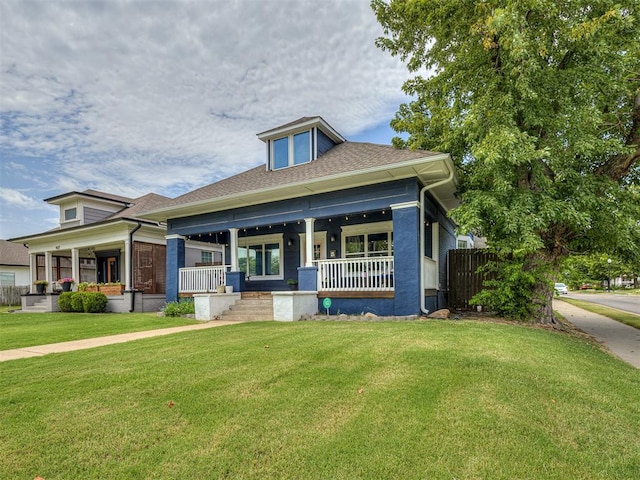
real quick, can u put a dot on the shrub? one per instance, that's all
(94, 302)
(182, 307)
(64, 301)
(77, 304)
(87, 302)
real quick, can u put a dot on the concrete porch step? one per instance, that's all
(252, 306)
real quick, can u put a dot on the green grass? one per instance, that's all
(613, 313)
(19, 330)
(325, 400)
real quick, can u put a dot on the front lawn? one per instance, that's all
(19, 330)
(325, 400)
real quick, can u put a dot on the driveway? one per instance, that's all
(628, 303)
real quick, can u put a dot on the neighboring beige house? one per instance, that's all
(102, 239)
(14, 264)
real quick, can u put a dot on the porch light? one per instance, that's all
(332, 238)
(290, 242)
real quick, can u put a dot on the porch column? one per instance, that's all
(406, 258)
(175, 261)
(233, 248)
(47, 271)
(75, 264)
(128, 283)
(309, 241)
(33, 272)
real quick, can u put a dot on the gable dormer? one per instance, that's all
(299, 142)
(90, 206)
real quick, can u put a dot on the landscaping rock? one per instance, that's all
(442, 313)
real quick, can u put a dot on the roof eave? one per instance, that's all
(428, 174)
(91, 226)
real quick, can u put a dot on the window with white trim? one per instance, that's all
(70, 214)
(260, 256)
(368, 240)
(294, 149)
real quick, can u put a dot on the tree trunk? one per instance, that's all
(542, 264)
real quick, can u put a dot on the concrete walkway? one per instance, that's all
(38, 351)
(620, 339)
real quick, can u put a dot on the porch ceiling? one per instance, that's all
(428, 170)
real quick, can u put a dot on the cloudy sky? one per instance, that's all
(167, 96)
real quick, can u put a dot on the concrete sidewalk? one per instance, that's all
(40, 350)
(620, 339)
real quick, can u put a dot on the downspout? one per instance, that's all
(423, 191)
(133, 290)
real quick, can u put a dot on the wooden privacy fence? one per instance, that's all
(12, 295)
(464, 279)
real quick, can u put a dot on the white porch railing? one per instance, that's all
(373, 274)
(430, 271)
(202, 279)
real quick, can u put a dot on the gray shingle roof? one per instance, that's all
(140, 204)
(13, 254)
(342, 159)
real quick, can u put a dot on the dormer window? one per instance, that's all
(291, 150)
(70, 214)
(299, 142)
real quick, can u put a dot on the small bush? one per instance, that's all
(87, 302)
(94, 302)
(77, 304)
(182, 307)
(64, 301)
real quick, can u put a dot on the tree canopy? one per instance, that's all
(538, 102)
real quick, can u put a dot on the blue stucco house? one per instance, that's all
(362, 224)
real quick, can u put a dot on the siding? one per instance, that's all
(324, 143)
(92, 215)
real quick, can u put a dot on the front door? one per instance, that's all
(112, 270)
(108, 268)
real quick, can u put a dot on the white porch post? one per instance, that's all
(33, 271)
(75, 264)
(128, 281)
(47, 271)
(309, 241)
(233, 247)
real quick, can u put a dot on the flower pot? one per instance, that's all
(66, 286)
(220, 289)
(40, 289)
(228, 289)
(112, 289)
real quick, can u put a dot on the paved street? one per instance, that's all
(628, 303)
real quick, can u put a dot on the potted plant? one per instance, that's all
(41, 285)
(293, 283)
(66, 283)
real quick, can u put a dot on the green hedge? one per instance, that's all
(87, 302)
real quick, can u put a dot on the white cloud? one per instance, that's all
(166, 96)
(18, 199)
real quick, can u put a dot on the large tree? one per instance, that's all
(538, 101)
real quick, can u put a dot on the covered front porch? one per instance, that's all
(133, 270)
(383, 260)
